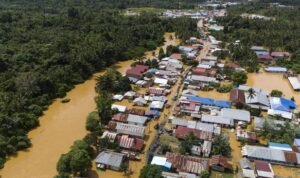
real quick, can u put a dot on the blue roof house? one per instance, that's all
(280, 146)
(282, 104)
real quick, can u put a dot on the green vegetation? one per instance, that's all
(49, 46)
(221, 146)
(276, 93)
(113, 81)
(281, 133)
(204, 174)
(281, 34)
(224, 88)
(150, 171)
(239, 78)
(187, 144)
(77, 161)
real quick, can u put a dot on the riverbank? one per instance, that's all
(60, 126)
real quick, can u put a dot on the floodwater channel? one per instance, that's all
(60, 126)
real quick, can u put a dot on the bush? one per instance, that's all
(224, 88)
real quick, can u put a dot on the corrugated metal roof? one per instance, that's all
(217, 119)
(110, 158)
(236, 114)
(137, 119)
(130, 129)
(264, 153)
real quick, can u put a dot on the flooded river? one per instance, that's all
(60, 126)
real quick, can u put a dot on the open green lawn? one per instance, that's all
(215, 174)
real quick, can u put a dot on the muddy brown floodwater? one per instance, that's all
(270, 81)
(60, 126)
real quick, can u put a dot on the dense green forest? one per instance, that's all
(46, 47)
(282, 33)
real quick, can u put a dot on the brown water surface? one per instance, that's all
(60, 126)
(270, 81)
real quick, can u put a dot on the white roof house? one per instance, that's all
(217, 120)
(263, 153)
(259, 100)
(118, 97)
(119, 107)
(112, 160)
(161, 161)
(284, 114)
(157, 105)
(295, 82)
(205, 79)
(136, 119)
(140, 101)
(160, 81)
(236, 114)
(130, 129)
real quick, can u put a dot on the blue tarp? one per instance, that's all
(288, 103)
(210, 102)
(222, 104)
(204, 101)
(283, 104)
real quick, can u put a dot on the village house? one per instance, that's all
(140, 101)
(156, 91)
(157, 105)
(204, 72)
(197, 79)
(281, 107)
(134, 144)
(136, 111)
(280, 146)
(109, 160)
(202, 149)
(110, 135)
(236, 114)
(280, 55)
(276, 69)
(182, 132)
(295, 83)
(162, 162)
(137, 71)
(247, 168)
(120, 108)
(129, 129)
(220, 163)
(196, 125)
(223, 122)
(237, 96)
(248, 136)
(120, 117)
(263, 169)
(258, 100)
(274, 156)
(190, 164)
(118, 97)
(136, 120)
(265, 58)
(130, 95)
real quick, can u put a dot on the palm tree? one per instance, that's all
(251, 93)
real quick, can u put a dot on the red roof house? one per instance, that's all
(237, 96)
(181, 132)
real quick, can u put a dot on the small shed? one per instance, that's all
(140, 101)
(220, 163)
